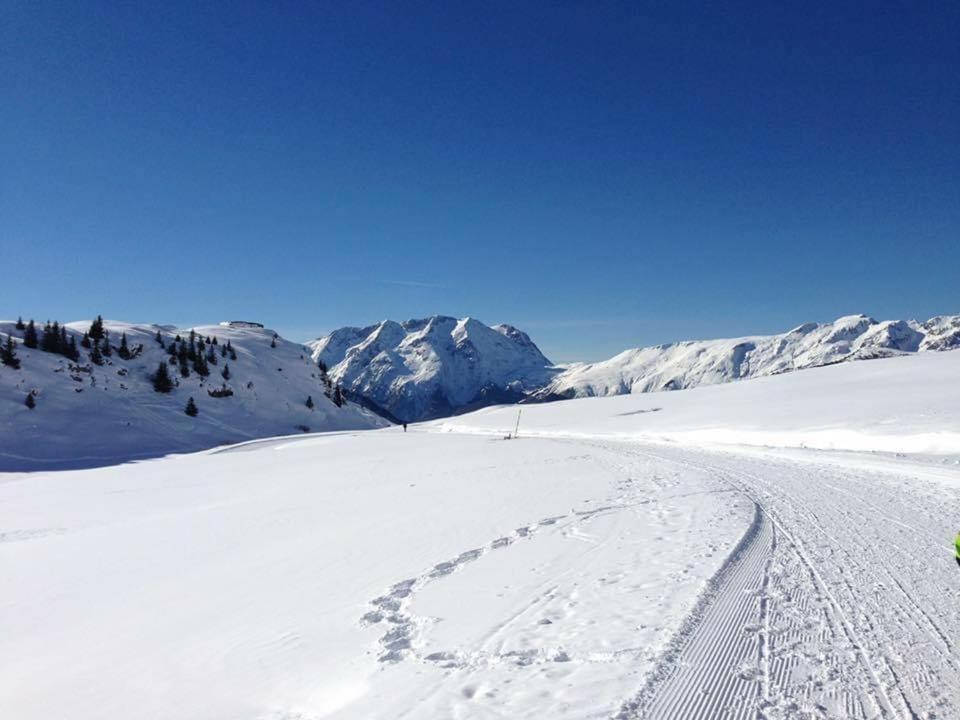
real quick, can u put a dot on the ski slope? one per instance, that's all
(704, 560)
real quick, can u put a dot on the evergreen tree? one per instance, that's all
(85, 341)
(96, 329)
(172, 349)
(323, 366)
(30, 402)
(20, 325)
(200, 365)
(96, 357)
(225, 373)
(50, 339)
(191, 408)
(107, 350)
(223, 351)
(273, 343)
(72, 352)
(159, 338)
(30, 335)
(124, 350)
(211, 355)
(309, 402)
(233, 353)
(162, 383)
(64, 343)
(8, 354)
(184, 368)
(338, 397)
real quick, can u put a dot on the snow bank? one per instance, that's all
(908, 404)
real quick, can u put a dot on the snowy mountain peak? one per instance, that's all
(430, 367)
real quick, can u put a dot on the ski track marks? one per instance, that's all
(842, 623)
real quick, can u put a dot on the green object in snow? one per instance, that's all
(958, 545)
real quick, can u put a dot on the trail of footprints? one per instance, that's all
(392, 609)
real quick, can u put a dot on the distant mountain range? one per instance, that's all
(423, 369)
(91, 408)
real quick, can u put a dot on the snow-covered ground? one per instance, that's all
(693, 561)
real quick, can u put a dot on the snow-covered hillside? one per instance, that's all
(688, 364)
(429, 368)
(908, 404)
(89, 414)
(606, 564)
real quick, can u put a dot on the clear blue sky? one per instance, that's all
(604, 175)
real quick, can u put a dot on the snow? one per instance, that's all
(432, 367)
(111, 413)
(690, 364)
(905, 404)
(682, 554)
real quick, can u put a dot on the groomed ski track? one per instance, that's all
(839, 601)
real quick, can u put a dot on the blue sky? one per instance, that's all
(603, 175)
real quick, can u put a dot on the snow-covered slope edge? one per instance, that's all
(908, 404)
(87, 414)
(436, 366)
(677, 366)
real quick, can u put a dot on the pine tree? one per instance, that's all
(96, 329)
(211, 355)
(214, 341)
(223, 351)
(184, 368)
(8, 354)
(191, 408)
(30, 402)
(273, 343)
(172, 349)
(323, 366)
(96, 357)
(20, 325)
(309, 402)
(30, 335)
(85, 341)
(225, 373)
(162, 383)
(124, 350)
(72, 352)
(50, 339)
(200, 365)
(338, 397)
(159, 338)
(107, 350)
(233, 353)
(64, 343)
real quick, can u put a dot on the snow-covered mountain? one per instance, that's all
(676, 366)
(422, 369)
(89, 414)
